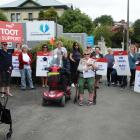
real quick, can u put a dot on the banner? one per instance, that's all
(101, 65)
(137, 80)
(15, 63)
(42, 63)
(10, 32)
(121, 63)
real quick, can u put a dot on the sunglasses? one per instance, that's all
(86, 54)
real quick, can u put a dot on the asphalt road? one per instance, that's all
(115, 117)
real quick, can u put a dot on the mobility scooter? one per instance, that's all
(56, 92)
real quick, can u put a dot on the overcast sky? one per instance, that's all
(95, 8)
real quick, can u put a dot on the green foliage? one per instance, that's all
(3, 17)
(117, 39)
(104, 20)
(41, 15)
(103, 31)
(76, 21)
(49, 14)
(136, 27)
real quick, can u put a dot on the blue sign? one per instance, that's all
(90, 41)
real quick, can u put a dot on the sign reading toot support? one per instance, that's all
(15, 63)
(40, 30)
(137, 80)
(42, 63)
(121, 63)
(101, 65)
(10, 32)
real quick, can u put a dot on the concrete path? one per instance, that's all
(115, 117)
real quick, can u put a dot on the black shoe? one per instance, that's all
(108, 84)
(32, 88)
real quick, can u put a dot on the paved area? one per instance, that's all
(115, 117)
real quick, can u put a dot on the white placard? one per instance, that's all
(122, 63)
(137, 80)
(15, 63)
(42, 63)
(88, 74)
(40, 30)
(101, 68)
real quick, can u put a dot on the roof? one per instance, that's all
(18, 3)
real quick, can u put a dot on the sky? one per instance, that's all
(95, 8)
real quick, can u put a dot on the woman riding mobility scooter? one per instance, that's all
(58, 81)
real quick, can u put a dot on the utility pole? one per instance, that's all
(127, 39)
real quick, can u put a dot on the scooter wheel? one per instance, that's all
(63, 101)
(44, 102)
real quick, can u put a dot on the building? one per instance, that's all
(21, 10)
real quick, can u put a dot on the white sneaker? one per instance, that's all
(72, 85)
(2, 95)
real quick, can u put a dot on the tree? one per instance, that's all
(136, 29)
(105, 32)
(75, 21)
(3, 17)
(103, 20)
(41, 15)
(50, 14)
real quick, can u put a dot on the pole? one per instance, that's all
(127, 39)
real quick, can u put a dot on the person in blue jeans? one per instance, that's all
(25, 60)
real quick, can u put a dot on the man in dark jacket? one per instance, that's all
(5, 68)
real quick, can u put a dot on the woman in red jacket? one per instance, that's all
(25, 60)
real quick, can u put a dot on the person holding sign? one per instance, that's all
(5, 68)
(45, 52)
(95, 55)
(86, 75)
(132, 57)
(25, 60)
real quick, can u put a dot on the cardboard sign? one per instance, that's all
(101, 65)
(15, 63)
(10, 32)
(122, 63)
(137, 80)
(42, 63)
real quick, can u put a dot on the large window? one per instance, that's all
(18, 17)
(13, 18)
(30, 16)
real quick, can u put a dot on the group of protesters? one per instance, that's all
(76, 63)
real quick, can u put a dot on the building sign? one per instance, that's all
(121, 63)
(10, 32)
(40, 30)
(137, 80)
(15, 63)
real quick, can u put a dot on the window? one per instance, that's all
(18, 17)
(13, 17)
(30, 16)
